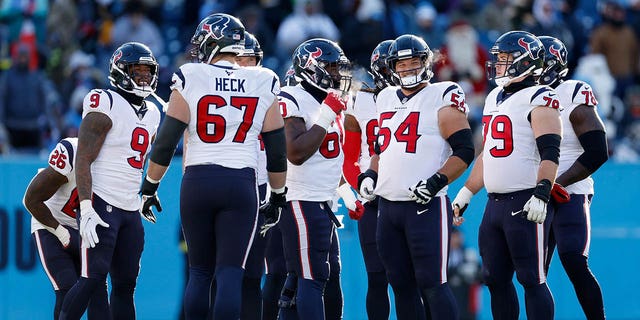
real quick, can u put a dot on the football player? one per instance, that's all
(313, 122)
(361, 127)
(518, 164)
(251, 292)
(419, 123)
(52, 200)
(224, 108)
(582, 151)
(115, 135)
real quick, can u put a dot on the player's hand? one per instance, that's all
(460, 204)
(536, 208)
(423, 191)
(272, 210)
(357, 213)
(62, 234)
(149, 198)
(367, 184)
(89, 220)
(334, 102)
(355, 207)
(560, 194)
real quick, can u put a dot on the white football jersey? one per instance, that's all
(510, 153)
(364, 110)
(411, 145)
(571, 94)
(318, 177)
(117, 171)
(64, 203)
(228, 105)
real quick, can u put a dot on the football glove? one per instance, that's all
(355, 207)
(272, 210)
(560, 194)
(62, 234)
(536, 208)
(423, 191)
(331, 107)
(367, 184)
(461, 202)
(149, 198)
(89, 220)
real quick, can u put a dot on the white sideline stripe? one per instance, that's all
(303, 239)
(253, 234)
(587, 216)
(444, 239)
(44, 262)
(541, 250)
(84, 272)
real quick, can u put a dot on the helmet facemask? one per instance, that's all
(332, 76)
(413, 77)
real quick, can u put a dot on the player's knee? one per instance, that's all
(123, 287)
(496, 279)
(528, 278)
(426, 279)
(574, 263)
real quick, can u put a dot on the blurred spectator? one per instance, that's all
(27, 106)
(368, 16)
(547, 21)
(252, 17)
(307, 21)
(430, 28)
(495, 19)
(463, 274)
(135, 26)
(62, 23)
(464, 60)
(400, 18)
(616, 40)
(468, 11)
(15, 13)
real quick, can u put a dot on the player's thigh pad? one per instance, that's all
(306, 233)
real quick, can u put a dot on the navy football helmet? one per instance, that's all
(122, 73)
(322, 63)
(290, 77)
(406, 47)
(217, 33)
(379, 68)
(526, 57)
(252, 48)
(555, 61)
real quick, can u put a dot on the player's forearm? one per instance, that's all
(547, 170)
(475, 181)
(93, 131)
(156, 171)
(277, 180)
(575, 173)
(41, 212)
(453, 168)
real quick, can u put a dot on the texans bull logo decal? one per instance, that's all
(557, 54)
(528, 46)
(312, 57)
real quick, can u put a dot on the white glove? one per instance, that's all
(535, 210)
(61, 233)
(344, 191)
(89, 219)
(366, 189)
(462, 200)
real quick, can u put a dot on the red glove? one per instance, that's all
(560, 194)
(334, 102)
(358, 212)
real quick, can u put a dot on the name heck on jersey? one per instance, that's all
(229, 84)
